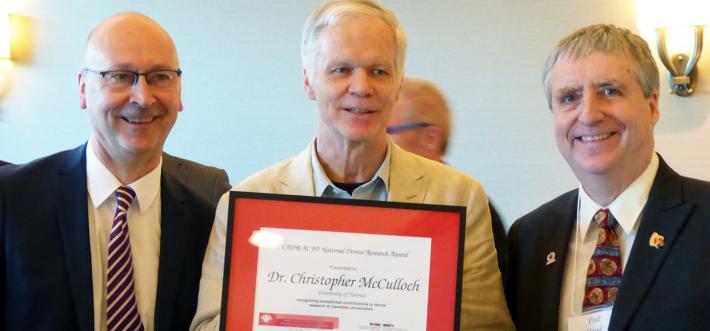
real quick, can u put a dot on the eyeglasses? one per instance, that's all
(408, 126)
(121, 79)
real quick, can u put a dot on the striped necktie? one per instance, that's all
(604, 270)
(121, 308)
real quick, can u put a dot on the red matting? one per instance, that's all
(251, 211)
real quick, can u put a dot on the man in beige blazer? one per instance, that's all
(353, 54)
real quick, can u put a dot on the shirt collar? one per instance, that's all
(627, 207)
(322, 182)
(102, 184)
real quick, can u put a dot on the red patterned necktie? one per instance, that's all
(604, 270)
(121, 308)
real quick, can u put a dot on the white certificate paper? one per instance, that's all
(309, 280)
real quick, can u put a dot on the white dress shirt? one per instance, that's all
(626, 209)
(143, 228)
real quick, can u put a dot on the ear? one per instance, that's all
(307, 86)
(653, 105)
(433, 139)
(82, 89)
(399, 89)
(180, 105)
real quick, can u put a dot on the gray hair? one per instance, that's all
(610, 40)
(332, 12)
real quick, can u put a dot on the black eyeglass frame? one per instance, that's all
(136, 74)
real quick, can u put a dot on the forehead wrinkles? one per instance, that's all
(622, 65)
(356, 40)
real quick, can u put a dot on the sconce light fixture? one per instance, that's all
(678, 26)
(5, 35)
(682, 67)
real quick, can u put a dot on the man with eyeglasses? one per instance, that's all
(353, 57)
(421, 123)
(110, 235)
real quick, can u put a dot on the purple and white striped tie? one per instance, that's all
(121, 308)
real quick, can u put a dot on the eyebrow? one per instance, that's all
(131, 67)
(337, 63)
(599, 84)
(345, 63)
(567, 90)
(608, 82)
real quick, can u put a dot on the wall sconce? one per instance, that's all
(684, 74)
(5, 36)
(678, 27)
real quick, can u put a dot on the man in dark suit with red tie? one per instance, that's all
(110, 235)
(625, 250)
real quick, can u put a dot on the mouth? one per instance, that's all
(137, 120)
(358, 110)
(594, 138)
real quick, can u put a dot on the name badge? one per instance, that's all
(594, 321)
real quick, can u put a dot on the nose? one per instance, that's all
(141, 93)
(591, 109)
(360, 84)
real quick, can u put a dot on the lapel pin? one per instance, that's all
(550, 258)
(656, 240)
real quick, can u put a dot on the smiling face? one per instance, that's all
(353, 81)
(129, 123)
(603, 122)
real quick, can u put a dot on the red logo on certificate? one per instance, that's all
(298, 321)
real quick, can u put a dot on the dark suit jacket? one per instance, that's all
(44, 239)
(2, 163)
(662, 289)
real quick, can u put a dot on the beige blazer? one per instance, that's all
(411, 179)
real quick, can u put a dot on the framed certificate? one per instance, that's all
(304, 263)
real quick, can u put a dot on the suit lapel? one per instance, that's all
(556, 233)
(297, 178)
(406, 177)
(174, 225)
(664, 213)
(72, 207)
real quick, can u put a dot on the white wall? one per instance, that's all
(244, 102)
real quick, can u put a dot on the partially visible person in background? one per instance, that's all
(421, 123)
